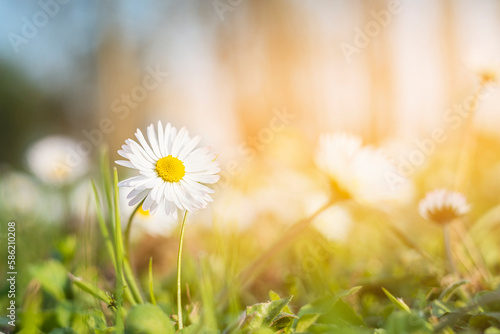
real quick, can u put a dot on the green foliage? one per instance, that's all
(107, 296)
(148, 319)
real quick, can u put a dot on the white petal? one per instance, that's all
(179, 140)
(203, 178)
(161, 140)
(188, 147)
(153, 140)
(125, 163)
(145, 145)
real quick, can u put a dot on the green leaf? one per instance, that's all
(342, 314)
(52, 277)
(306, 321)
(148, 319)
(484, 320)
(398, 302)
(282, 320)
(325, 304)
(274, 296)
(90, 289)
(439, 308)
(448, 292)
(67, 248)
(404, 322)
(63, 331)
(348, 292)
(263, 314)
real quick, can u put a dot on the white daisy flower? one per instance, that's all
(359, 172)
(443, 206)
(172, 170)
(55, 160)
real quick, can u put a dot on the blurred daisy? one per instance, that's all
(334, 223)
(54, 160)
(359, 172)
(484, 63)
(19, 193)
(443, 206)
(157, 225)
(172, 170)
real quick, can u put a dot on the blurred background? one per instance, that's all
(260, 81)
(231, 63)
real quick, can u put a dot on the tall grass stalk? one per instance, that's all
(120, 287)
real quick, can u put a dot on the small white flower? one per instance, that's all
(358, 172)
(443, 206)
(172, 170)
(54, 160)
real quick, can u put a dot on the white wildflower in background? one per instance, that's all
(19, 193)
(443, 206)
(172, 170)
(334, 223)
(156, 225)
(359, 172)
(483, 63)
(54, 160)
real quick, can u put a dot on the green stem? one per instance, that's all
(179, 260)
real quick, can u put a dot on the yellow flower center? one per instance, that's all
(170, 169)
(142, 212)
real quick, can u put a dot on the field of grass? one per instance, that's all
(283, 248)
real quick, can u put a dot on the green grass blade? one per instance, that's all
(103, 227)
(398, 302)
(120, 287)
(90, 289)
(151, 284)
(132, 283)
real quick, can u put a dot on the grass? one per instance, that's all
(389, 275)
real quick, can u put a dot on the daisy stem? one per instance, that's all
(447, 245)
(179, 260)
